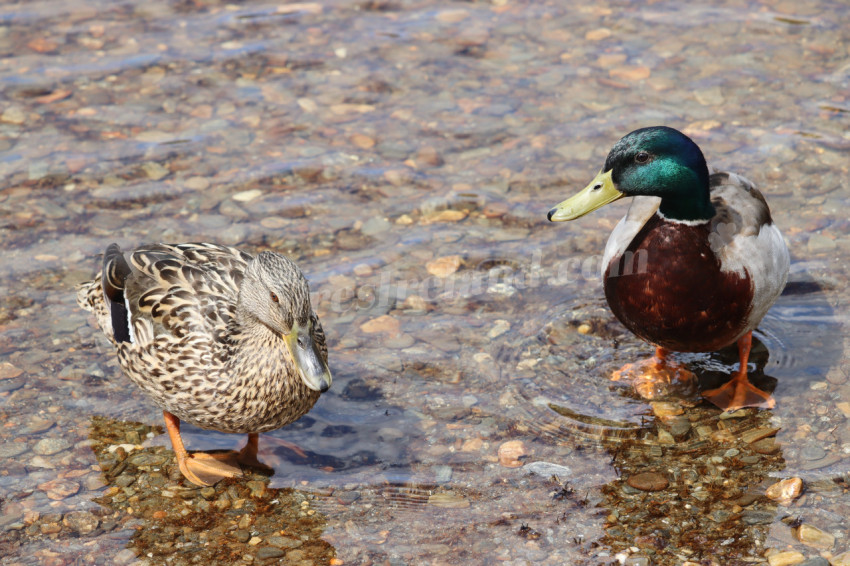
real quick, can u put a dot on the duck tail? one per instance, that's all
(115, 272)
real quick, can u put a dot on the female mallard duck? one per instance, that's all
(696, 267)
(217, 338)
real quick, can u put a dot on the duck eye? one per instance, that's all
(274, 297)
(642, 157)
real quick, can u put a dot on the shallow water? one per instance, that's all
(405, 154)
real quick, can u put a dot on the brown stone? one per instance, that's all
(648, 481)
(510, 453)
(443, 266)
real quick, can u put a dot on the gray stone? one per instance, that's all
(12, 449)
(548, 469)
(49, 446)
(268, 552)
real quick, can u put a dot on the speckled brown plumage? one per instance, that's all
(192, 345)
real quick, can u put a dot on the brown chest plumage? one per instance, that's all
(668, 288)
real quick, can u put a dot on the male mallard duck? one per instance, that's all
(696, 262)
(217, 338)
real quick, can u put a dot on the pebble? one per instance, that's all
(8, 370)
(59, 488)
(384, 323)
(499, 327)
(818, 244)
(283, 542)
(787, 558)
(81, 522)
(452, 15)
(665, 410)
(765, 446)
(247, 196)
(812, 452)
(242, 535)
(12, 449)
(375, 225)
(842, 559)
(443, 266)
(510, 453)
(548, 469)
(444, 216)
(844, 407)
(816, 561)
(154, 171)
(50, 446)
(362, 141)
(448, 501)
(814, 537)
(598, 34)
(197, 183)
(786, 491)
(648, 481)
(630, 73)
(269, 552)
(755, 434)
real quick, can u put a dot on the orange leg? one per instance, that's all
(248, 455)
(657, 377)
(739, 392)
(200, 468)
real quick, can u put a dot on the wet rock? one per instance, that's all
(816, 561)
(785, 558)
(756, 434)
(242, 535)
(375, 225)
(81, 522)
(648, 481)
(548, 469)
(443, 266)
(785, 491)
(756, 517)
(283, 542)
(448, 501)
(665, 410)
(257, 488)
(59, 488)
(154, 171)
(346, 497)
(384, 323)
(814, 537)
(8, 370)
(12, 449)
(812, 452)
(765, 446)
(499, 328)
(269, 552)
(842, 559)
(510, 453)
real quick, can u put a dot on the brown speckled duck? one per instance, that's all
(695, 264)
(216, 337)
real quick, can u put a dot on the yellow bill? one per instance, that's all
(597, 194)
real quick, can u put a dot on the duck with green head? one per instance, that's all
(696, 262)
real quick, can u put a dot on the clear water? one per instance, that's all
(369, 139)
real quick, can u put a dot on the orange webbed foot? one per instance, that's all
(739, 393)
(658, 378)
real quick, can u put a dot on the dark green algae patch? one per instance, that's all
(168, 521)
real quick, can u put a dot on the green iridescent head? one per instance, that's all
(657, 161)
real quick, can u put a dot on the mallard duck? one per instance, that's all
(696, 262)
(216, 337)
